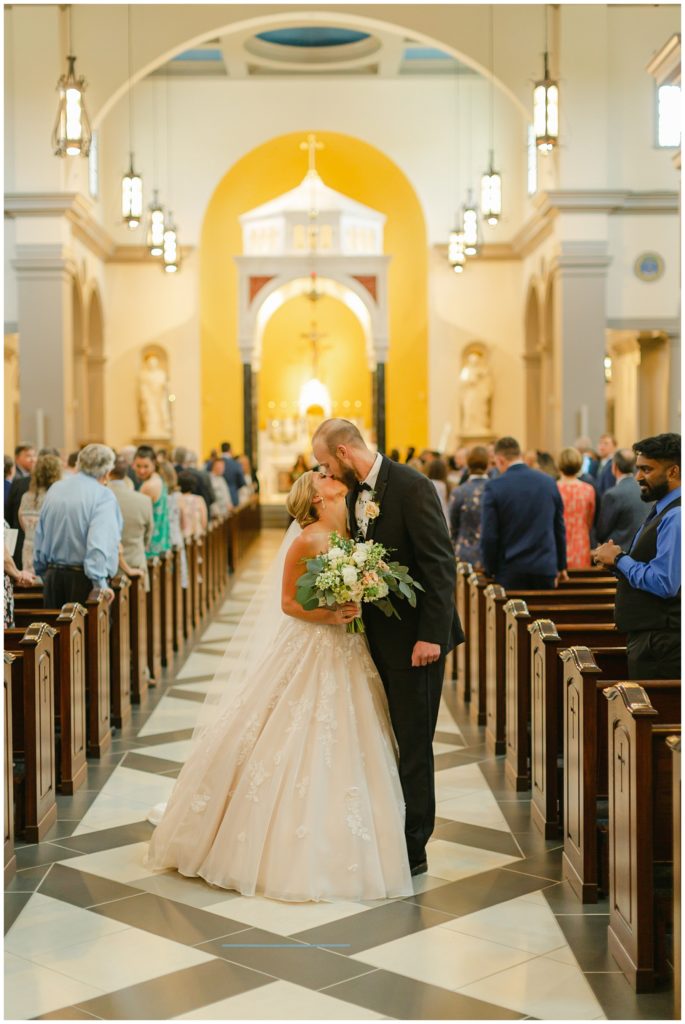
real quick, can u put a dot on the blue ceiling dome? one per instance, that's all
(312, 37)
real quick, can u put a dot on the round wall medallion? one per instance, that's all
(649, 266)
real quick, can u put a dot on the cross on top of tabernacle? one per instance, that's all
(311, 146)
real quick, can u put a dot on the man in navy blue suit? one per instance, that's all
(522, 536)
(233, 473)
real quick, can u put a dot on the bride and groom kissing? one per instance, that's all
(313, 777)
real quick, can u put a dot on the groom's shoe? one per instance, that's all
(419, 868)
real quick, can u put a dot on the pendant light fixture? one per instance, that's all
(155, 223)
(131, 183)
(546, 104)
(170, 250)
(456, 256)
(491, 182)
(71, 135)
(469, 213)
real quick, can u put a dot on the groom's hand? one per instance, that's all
(424, 653)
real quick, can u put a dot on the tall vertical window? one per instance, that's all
(668, 115)
(94, 166)
(532, 162)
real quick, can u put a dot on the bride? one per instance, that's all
(291, 789)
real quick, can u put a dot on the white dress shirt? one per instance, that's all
(365, 496)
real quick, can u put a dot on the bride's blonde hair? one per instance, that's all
(300, 501)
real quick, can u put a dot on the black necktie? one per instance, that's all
(651, 515)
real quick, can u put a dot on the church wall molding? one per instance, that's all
(71, 205)
(582, 258)
(45, 261)
(661, 325)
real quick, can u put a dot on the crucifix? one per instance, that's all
(314, 337)
(311, 146)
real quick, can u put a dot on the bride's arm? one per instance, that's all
(304, 548)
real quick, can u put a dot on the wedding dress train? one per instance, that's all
(293, 792)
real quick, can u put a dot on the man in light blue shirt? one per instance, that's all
(76, 547)
(649, 574)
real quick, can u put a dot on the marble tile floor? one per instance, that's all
(491, 932)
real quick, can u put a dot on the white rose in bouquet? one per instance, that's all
(360, 554)
(349, 575)
(335, 554)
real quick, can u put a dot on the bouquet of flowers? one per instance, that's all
(355, 571)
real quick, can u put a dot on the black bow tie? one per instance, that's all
(364, 487)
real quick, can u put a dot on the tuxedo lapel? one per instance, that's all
(351, 501)
(379, 491)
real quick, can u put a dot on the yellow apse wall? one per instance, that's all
(363, 172)
(286, 361)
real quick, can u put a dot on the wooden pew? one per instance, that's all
(673, 742)
(98, 689)
(69, 680)
(565, 607)
(167, 607)
(477, 585)
(138, 639)
(586, 672)
(33, 716)
(546, 718)
(201, 576)
(178, 602)
(518, 613)
(10, 856)
(640, 827)
(461, 651)
(120, 651)
(154, 622)
(193, 592)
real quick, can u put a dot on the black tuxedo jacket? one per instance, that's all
(411, 525)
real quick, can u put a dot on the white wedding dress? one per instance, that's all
(292, 789)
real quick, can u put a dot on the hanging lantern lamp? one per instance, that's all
(155, 228)
(170, 247)
(456, 256)
(71, 135)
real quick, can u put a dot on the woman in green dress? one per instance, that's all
(145, 468)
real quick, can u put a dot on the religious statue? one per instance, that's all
(475, 394)
(153, 399)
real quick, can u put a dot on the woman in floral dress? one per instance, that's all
(579, 509)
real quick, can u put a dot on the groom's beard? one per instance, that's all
(348, 477)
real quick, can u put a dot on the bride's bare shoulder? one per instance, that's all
(312, 541)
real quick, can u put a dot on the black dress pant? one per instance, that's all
(514, 580)
(654, 654)
(414, 701)
(65, 586)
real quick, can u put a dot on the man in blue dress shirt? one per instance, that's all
(76, 547)
(648, 574)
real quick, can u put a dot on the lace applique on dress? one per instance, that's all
(298, 711)
(301, 832)
(302, 786)
(249, 738)
(199, 802)
(326, 716)
(257, 775)
(354, 819)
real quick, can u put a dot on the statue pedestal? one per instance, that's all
(470, 440)
(153, 442)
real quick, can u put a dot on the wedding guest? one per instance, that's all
(411, 451)
(76, 546)
(213, 456)
(437, 474)
(46, 472)
(193, 508)
(590, 458)
(461, 466)
(394, 455)
(20, 486)
(128, 453)
(579, 509)
(546, 464)
(9, 475)
(72, 459)
(145, 468)
(222, 499)
(12, 577)
(622, 511)
(531, 459)
(522, 533)
(136, 512)
(24, 459)
(606, 446)
(464, 511)
(170, 478)
(251, 480)
(492, 471)
(233, 473)
(183, 463)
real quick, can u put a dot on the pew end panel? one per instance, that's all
(517, 694)
(495, 695)
(640, 826)
(673, 743)
(477, 585)
(120, 651)
(98, 699)
(10, 856)
(461, 651)
(154, 621)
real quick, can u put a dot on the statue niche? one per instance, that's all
(475, 393)
(153, 396)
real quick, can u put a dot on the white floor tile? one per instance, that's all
(31, 990)
(44, 922)
(542, 988)
(446, 722)
(285, 918)
(171, 714)
(438, 956)
(516, 923)
(176, 751)
(193, 892)
(123, 959)
(122, 864)
(282, 1001)
(445, 748)
(110, 811)
(564, 955)
(474, 809)
(199, 665)
(453, 861)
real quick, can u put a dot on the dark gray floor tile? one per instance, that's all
(207, 650)
(533, 844)
(516, 813)
(165, 737)
(42, 853)
(76, 805)
(109, 838)
(192, 695)
(447, 737)
(406, 999)
(457, 759)
(285, 958)
(193, 679)
(563, 900)
(545, 865)
(492, 839)
(619, 1001)
(478, 892)
(14, 904)
(145, 763)
(587, 937)
(81, 888)
(67, 1013)
(170, 919)
(180, 992)
(62, 829)
(375, 927)
(28, 879)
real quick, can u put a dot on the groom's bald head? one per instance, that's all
(341, 451)
(337, 432)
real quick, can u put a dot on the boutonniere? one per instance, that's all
(372, 508)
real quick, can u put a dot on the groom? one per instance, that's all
(398, 507)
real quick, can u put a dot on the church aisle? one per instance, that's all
(490, 933)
